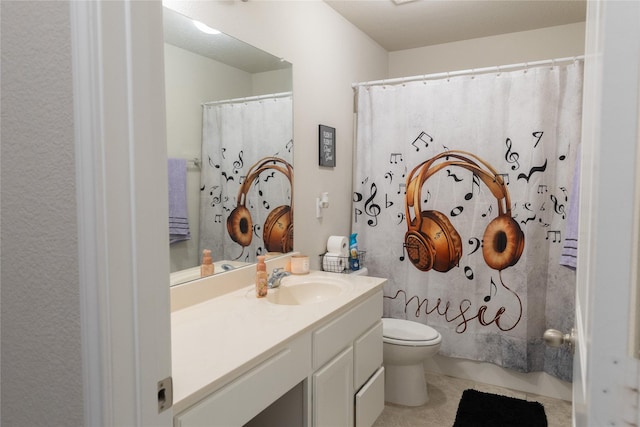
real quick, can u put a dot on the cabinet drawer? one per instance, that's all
(370, 400)
(337, 334)
(367, 355)
(238, 402)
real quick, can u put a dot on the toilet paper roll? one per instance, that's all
(334, 262)
(338, 245)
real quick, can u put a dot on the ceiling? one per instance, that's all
(401, 24)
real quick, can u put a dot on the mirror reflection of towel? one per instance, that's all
(178, 217)
(569, 255)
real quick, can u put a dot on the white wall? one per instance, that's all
(40, 304)
(526, 46)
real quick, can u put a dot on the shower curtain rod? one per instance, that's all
(472, 71)
(247, 99)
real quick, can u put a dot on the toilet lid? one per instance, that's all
(406, 330)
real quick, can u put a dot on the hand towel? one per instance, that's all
(178, 217)
(569, 254)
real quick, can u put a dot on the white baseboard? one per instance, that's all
(539, 383)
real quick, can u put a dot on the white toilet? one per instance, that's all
(406, 345)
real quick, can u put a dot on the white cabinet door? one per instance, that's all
(332, 392)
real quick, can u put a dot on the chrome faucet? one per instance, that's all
(276, 277)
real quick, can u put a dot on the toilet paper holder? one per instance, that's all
(339, 263)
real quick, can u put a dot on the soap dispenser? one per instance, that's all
(206, 269)
(261, 277)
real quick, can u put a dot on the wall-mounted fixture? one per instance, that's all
(322, 202)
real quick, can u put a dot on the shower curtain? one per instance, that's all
(236, 135)
(461, 188)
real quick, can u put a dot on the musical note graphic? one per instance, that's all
(228, 178)
(402, 187)
(511, 157)
(394, 158)
(218, 218)
(532, 218)
(419, 138)
(493, 290)
(502, 178)
(542, 189)
(557, 236)
(404, 245)
(237, 164)
(533, 170)
(538, 136)
(456, 211)
(468, 272)
(371, 208)
(289, 145)
(389, 175)
(566, 195)
(356, 213)
(475, 183)
(401, 217)
(212, 164)
(453, 175)
(474, 241)
(269, 176)
(387, 202)
(215, 199)
(557, 207)
(487, 212)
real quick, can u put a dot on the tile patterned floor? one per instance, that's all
(445, 393)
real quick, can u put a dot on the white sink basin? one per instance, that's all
(296, 291)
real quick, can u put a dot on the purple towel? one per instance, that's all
(178, 216)
(569, 255)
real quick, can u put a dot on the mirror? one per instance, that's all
(230, 148)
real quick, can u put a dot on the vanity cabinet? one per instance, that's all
(326, 372)
(348, 382)
(237, 403)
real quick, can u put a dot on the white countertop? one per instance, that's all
(218, 339)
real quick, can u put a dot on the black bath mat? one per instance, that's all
(478, 409)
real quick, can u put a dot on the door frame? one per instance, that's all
(606, 372)
(121, 179)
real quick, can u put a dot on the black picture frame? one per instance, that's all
(326, 146)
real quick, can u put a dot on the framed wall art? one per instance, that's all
(327, 146)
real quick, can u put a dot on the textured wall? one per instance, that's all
(40, 329)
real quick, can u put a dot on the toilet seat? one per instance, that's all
(406, 332)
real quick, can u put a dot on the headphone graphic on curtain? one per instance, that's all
(431, 240)
(278, 227)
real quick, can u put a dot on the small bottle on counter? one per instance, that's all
(261, 277)
(206, 268)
